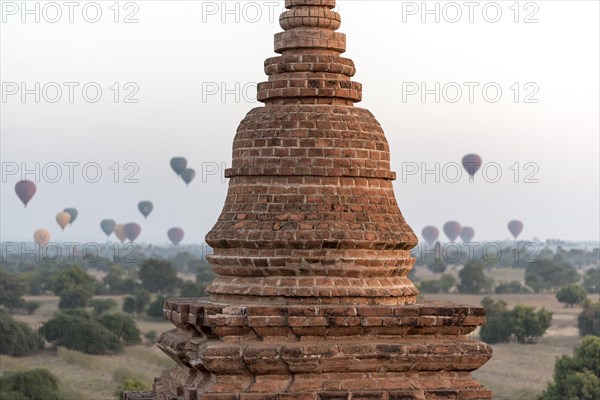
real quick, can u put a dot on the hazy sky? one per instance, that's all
(180, 52)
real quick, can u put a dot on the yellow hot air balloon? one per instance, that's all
(119, 232)
(63, 219)
(41, 237)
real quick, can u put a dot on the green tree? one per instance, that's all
(192, 289)
(129, 305)
(158, 276)
(437, 266)
(527, 324)
(577, 377)
(77, 330)
(74, 286)
(473, 279)
(101, 306)
(442, 285)
(17, 338)
(549, 275)
(36, 384)
(142, 299)
(497, 326)
(155, 309)
(589, 319)
(151, 337)
(514, 287)
(31, 306)
(12, 287)
(571, 294)
(123, 326)
(591, 281)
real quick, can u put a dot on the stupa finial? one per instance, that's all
(310, 69)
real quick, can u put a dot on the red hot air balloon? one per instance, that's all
(25, 190)
(132, 231)
(467, 234)
(175, 235)
(452, 230)
(472, 163)
(515, 227)
(430, 234)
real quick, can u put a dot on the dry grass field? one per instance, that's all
(516, 372)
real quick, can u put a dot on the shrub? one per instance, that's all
(128, 305)
(473, 279)
(31, 306)
(74, 286)
(155, 309)
(123, 326)
(437, 266)
(442, 285)
(101, 306)
(130, 385)
(79, 331)
(514, 287)
(37, 384)
(151, 337)
(523, 322)
(589, 319)
(528, 325)
(17, 338)
(591, 280)
(577, 377)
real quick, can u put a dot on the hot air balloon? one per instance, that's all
(132, 231)
(452, 230)
(188, 175)
(515, 227)
(73, 213)
(25, 190)
(63, 219)
(41, 237)
(430, 233)
(175, 235)
(145, 208)
(467, 234)
(472, 163)
(120, 233)
(178, 164)
(108, 226)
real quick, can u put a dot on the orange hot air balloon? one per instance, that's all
(63, 219)
(41, 237)
(120, 233)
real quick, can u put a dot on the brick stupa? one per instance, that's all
(312, 299)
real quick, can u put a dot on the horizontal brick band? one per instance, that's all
(231, 262)
(304, 290)
(309, 63)
(310, 38)
(299, 3)
(312, 171)
(310, 17)
(404, 320)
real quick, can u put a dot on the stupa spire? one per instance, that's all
(310, 69)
